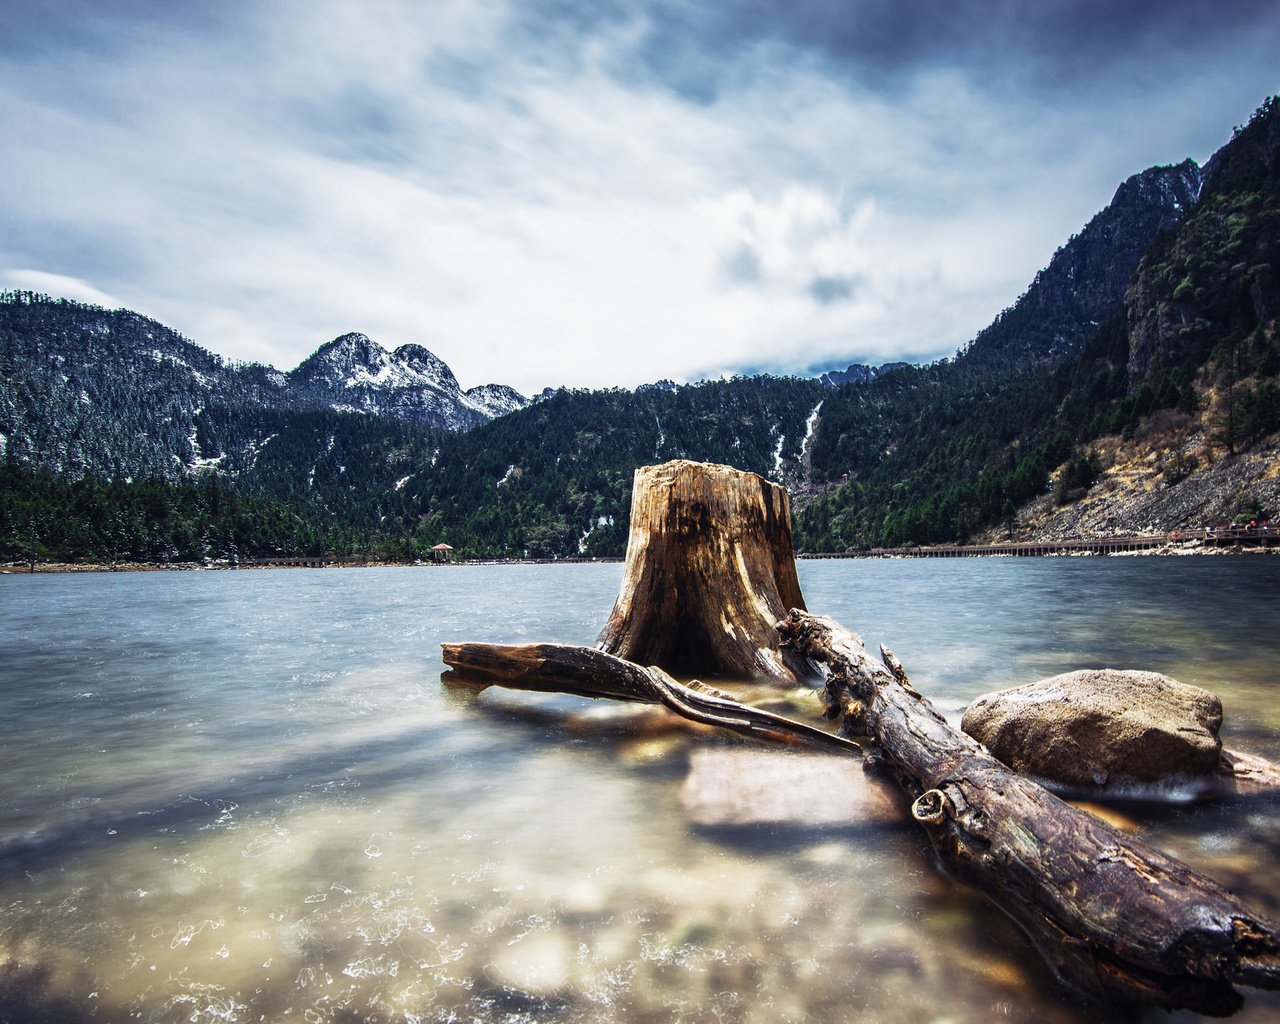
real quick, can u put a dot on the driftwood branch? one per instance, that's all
(557, 668)
(1113, 916)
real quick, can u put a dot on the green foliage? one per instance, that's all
(46, 517)
(554, 480)
(1079, 474)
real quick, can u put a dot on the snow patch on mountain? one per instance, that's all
(810, 427)
(494, 400)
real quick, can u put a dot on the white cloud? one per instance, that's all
(538, 211)
(58, 285)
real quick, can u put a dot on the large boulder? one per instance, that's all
(1101, 727)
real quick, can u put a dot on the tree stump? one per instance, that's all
(709, 570)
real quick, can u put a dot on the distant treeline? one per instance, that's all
(45, 517)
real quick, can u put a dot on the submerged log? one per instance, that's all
(1112, 915)
(709, 570)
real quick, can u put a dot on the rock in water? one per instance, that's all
(1100, 727)
(731, 786)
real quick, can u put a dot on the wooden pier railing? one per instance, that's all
(1224, 537)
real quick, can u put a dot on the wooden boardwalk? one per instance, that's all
(1224, 538)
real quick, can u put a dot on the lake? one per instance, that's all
(244, 796)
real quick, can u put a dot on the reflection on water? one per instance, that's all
(247, 796)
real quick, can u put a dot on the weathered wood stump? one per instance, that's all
(710, 568)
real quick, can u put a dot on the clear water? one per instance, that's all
(248, 796)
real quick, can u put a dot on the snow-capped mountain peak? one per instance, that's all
(426, 366)
(354, 372)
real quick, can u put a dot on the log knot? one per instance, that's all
(1257, 948)
(931, 807)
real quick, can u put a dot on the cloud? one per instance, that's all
(698, 49)
(742, 264)
(57, 285)
(830, 290)
(592, 195)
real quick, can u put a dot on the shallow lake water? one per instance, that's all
(244, 796)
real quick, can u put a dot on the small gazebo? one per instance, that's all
(442, 553)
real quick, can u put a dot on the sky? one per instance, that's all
(592, 194)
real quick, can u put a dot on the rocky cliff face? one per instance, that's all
(1216, 280)
(1085, 281)
(1154, 323)
(1090, 272)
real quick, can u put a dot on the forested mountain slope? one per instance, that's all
(555, 479)
(1189, 348)
(85, 390)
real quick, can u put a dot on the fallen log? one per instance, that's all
(1112, 915)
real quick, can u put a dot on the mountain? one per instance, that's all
(1191, 437)
(1087, 276)
(354, 374)
(109, 392)
(1091, 385)
(1061, 310)
(858, 373)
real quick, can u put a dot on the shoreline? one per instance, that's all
(75, 568)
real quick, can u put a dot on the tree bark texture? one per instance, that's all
(1113, 916)
(709, 569)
